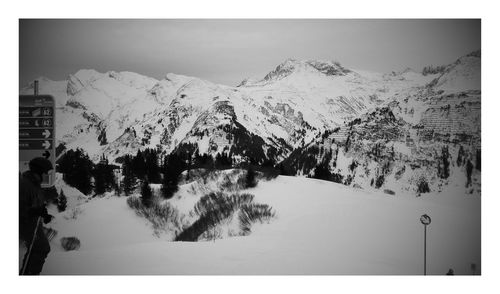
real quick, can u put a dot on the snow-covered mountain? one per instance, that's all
(402, 133)
(289, 106)
(410, 138)
(297, 105)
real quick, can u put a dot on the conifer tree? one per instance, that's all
(322, 172)
(76, 168)
(152, 168)
(61, 201)
(104, 178)
(468, 168)
(250, 180)
(282, 170)
(444, 163)
(99, 179)
(139, 165)
(146, 193)
(460, 156)
(129, 180)
(173, 167)
(478, 159)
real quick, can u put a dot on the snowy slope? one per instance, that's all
(335, 230)
(462, 75)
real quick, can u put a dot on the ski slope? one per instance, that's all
(321, 228)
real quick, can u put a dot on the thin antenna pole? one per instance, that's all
(35, 88)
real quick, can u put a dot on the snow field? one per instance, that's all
(321, 228)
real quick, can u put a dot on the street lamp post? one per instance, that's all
(425, 220)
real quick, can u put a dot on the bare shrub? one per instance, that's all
(233, 182)
(251, 213)
(161, 215)
(226, 184)
(217, 207)
(399, 173)
(380, 181)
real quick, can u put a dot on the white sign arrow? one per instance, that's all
(46, 144)
(46, 133)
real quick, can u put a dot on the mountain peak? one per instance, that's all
(476, 53)
(463, 74)
(87, 75)
(290, 65)
(290, 62)
(408, 70)
(329, 68)
(283, 69)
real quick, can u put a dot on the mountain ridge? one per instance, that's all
(287, 110)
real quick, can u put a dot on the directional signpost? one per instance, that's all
(37, 132)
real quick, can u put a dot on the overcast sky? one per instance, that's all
(227, 51)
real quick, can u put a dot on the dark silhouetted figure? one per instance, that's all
(450, 272)
(31, 212)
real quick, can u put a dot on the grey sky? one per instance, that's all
(227, 51)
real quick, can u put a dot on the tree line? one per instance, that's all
(140, 170)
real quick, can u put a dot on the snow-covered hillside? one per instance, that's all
(320, 228)
(462, 75)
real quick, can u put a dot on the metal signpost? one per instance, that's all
(37, 132)
(425, 220)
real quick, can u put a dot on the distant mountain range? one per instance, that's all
(358, 125)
